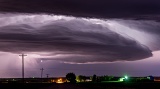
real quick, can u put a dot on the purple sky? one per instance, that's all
(64, 38)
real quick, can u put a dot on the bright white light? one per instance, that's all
(126, 77)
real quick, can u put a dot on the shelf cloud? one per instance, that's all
(71, 39)
(89, 31)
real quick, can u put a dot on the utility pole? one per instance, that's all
(23, 55)
(41, 73)
(47, 78)
(47, 75)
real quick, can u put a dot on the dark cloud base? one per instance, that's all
(133, 9)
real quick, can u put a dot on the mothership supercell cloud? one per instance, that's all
(79, 32)
(78, 40)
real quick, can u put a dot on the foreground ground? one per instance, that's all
(129, 85)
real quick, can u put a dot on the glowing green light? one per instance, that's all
(121, 79)
(126, 77)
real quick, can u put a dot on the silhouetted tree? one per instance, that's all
(71, 77)
(94, 78)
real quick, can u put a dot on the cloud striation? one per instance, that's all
(69, 39)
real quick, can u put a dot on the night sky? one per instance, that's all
(102, 37)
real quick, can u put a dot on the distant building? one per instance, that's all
(59, 80)
(157, 79)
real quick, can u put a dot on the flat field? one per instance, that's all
(112, 85)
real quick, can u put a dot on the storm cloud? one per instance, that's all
(135, 9)
(69, 39)
(110, 37)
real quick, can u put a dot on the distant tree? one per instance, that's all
(84, 78)
(94, 78)
(81, 78)
(71, 77)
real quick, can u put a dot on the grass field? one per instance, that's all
(111, 85)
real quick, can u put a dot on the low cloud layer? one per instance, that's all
(69, 39)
